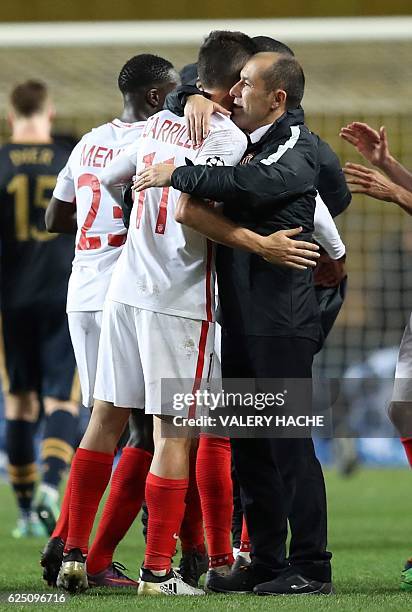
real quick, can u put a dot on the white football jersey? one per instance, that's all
(165, 266)
(101, 233)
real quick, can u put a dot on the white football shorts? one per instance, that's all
(85, 334)
(140, 348)
(402, 388)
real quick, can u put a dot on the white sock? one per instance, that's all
(222, 570)
(245, 555)
(50, 491)
(159, 573)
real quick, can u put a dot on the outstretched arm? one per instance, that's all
(255, 185)
(374, 147)
(376, 185)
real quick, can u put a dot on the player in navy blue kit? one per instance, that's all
(35, 267)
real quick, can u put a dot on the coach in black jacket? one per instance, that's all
(270, 319)
(270, 311)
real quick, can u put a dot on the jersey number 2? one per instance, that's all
(94, 242)
(162, 215)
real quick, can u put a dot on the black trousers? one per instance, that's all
(280, 478)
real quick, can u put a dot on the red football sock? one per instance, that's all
(216, 495)
(62, 525)
(121, 508)
(244, 538)
(90, 476)
(407, 445)
(165, 499)
(191, 531)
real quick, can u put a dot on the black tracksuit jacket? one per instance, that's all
(272, 188)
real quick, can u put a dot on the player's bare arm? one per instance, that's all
(60, 217)
(374, 147)
(198, 111)
(376, 185)
(278, 248)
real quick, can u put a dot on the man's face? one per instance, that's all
(253, 104)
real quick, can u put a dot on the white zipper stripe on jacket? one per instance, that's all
(289, 144)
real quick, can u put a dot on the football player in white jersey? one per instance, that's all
(165, 332)
(82, 205)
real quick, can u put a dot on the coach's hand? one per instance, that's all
(198, 111)
(370, 182)
(281, 250)
(159, 175)
(372, 145)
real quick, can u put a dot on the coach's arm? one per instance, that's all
(60, 217)
(253, 185)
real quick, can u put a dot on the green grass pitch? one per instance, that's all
(370, 535)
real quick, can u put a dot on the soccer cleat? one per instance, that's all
(47, 507)
(293, 584)
(241, 582)
(72, 575)
(112, 576)
(51, 560)
(170, 584)
(193, 565)
(406, 576)
(221, 570)
(239, 563)
(29, 527)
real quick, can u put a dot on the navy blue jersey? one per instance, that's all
(35, 265)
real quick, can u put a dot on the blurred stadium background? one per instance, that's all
(356, 69)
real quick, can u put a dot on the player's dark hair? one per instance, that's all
(266, 43)
(142, 71)
(222, 56)
(286, 73)
(29, 98)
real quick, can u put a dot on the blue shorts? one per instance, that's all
(38, 353)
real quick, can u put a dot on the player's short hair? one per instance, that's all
(143, 71)
(222, 56)
(29, 98)
(266, 43)
(286, 73)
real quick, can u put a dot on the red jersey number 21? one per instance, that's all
(164, 195)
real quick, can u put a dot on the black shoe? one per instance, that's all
(51, 560)
(239, 564)
(293, 584)
(193, 565)
(241, 582)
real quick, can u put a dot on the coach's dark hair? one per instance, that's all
(29, 98)
(222, 56)
(266, 43)
(286, 73)
(142, 71)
